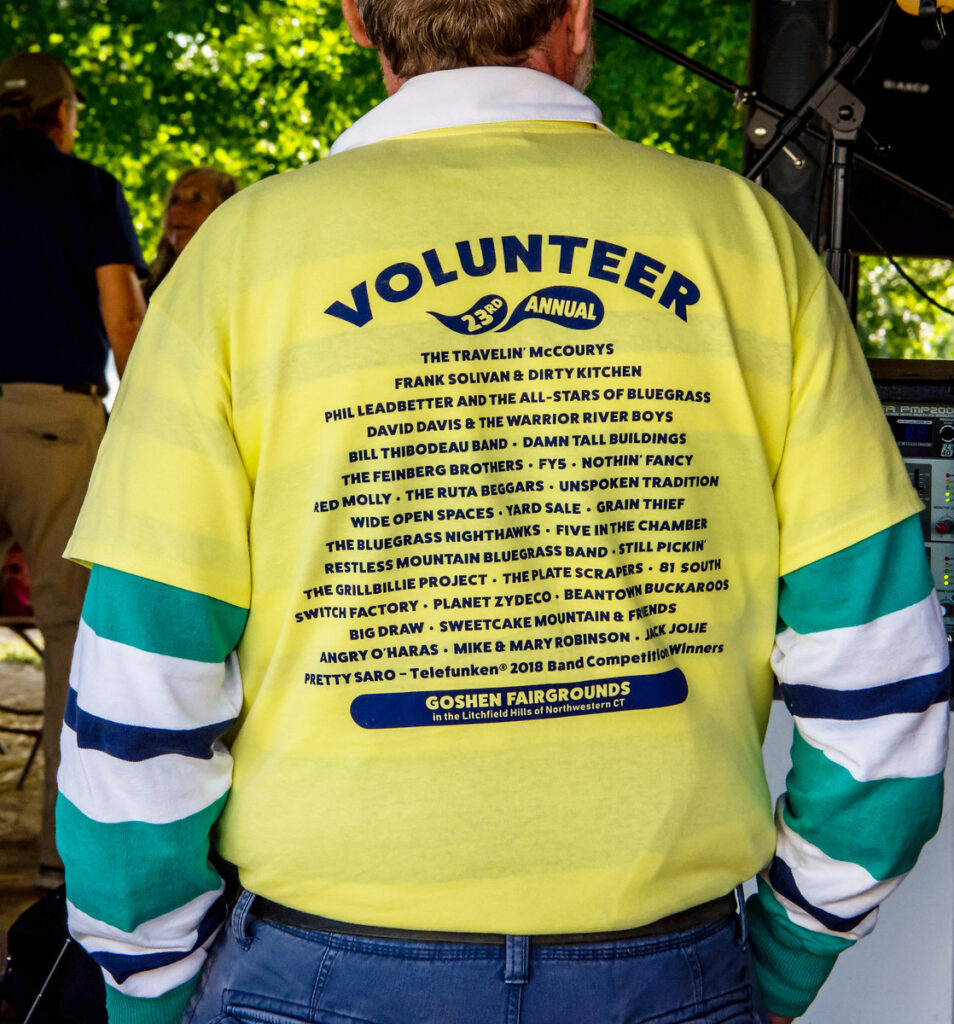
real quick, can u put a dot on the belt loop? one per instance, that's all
(239, 922)
(743, 916)
(517, 971)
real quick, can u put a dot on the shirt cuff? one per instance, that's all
(165, 1009)
(791, 963)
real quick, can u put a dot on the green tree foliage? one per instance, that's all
(894, 321)
(646, 97)
(260, 86)
(252, 87)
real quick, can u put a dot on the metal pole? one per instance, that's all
(839, 258)
(49, 978)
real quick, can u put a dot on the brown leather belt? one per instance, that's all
(71, 389)
(704, 913)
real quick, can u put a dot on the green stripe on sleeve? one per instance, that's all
(882, 574)
(791, 963)
(155, 617)
(880, 825)
(165, 1009)
(129, 872)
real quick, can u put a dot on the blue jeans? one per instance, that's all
(265, 973)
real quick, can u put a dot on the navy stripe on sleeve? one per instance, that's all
(137, 742)
(912, 696)
(124, 965)
(783, 882)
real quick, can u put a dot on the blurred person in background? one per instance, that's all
(193, 196)
(69, 268)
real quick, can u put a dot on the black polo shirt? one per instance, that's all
(60, 219)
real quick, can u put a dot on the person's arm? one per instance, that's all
(122, 307)
(862, 658)
(144, 775)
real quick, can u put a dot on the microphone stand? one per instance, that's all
(834, 103)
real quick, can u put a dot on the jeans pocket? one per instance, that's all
(238, 1014)
(734, 1011)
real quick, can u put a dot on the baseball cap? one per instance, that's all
(39, 77)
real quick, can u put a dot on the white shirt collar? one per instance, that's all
(463, 96)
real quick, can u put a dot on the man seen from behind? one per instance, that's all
(445, 540)
(68, 293)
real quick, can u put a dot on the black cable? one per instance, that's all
(897, 266)
(924, 295)
(875, 44)
(876, 242)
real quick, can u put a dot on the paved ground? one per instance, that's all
(21, 685)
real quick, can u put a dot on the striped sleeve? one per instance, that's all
(862, 659)
(143, 777)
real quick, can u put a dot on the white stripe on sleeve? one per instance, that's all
(909, 745)
(175, 930)
(133, 687)
(901, 645)
(158, 790)
(838, 887)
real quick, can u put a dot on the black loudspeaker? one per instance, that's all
(788, 51)
(905, 82)
(907, 90)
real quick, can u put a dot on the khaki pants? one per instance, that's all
(48, 443)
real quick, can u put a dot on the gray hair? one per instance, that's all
(417, 36)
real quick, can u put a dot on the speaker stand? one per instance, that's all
(834, 103)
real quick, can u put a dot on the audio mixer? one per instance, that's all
(918, 400)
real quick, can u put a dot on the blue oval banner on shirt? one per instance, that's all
(519, 703)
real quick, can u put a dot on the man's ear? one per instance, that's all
(355, 25)
(580, 24)
(62, 130)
